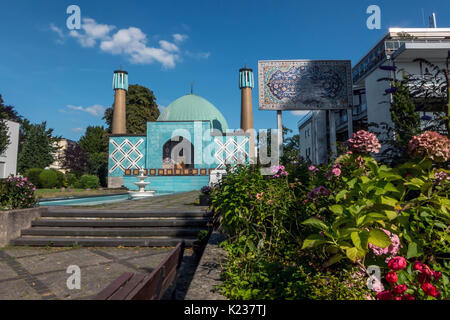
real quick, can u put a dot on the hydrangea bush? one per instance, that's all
(431, 145)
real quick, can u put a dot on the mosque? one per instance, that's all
(187, 147)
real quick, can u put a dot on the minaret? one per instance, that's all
(120, 86)
(246, 84)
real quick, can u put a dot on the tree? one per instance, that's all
(95, 143)
(403, 113)
(75, 158)
(141, 108)
(95, 140)
(8, 112)
(38, 148)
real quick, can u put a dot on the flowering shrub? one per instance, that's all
(420, 281)
(279, 171)
(304, 235)
(364, 142)
(430, 145)
(17, 193)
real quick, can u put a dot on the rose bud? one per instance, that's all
(391, 277)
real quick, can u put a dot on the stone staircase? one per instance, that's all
(111, 228)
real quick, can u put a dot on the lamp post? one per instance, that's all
(448, 94)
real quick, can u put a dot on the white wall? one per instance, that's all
(8, 160)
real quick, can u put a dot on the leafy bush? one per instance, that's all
(33, 176)
(48, 179)
(17, 193)
(305, 232)
(89, 181)
(60, 178)
(71, 179)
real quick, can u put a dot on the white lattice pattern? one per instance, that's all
(234, 152)
(126, 155)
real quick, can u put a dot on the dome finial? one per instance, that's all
(192, 87)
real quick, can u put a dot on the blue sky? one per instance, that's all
(50, 74)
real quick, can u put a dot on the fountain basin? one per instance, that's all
(140, 194)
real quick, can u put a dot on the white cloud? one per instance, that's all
(178, 38)
(198, 55)
(78, 108)
(76, 130)
(59, 32)
(131, 42)
(96, 110)
(168, 46)
(299, 112)
(93, 31)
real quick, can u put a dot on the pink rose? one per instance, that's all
(397, 263)
(399, 289)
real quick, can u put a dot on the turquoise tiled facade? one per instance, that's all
(212, 150)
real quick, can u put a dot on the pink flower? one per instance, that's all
(336, 172)
(312, 168)
(400, 289)
(430, 145)
(363, 142)
(393, 248)
(397, 263)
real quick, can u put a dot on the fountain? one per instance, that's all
(142, 193)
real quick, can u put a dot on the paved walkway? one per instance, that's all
(184, 199)
(41, 273)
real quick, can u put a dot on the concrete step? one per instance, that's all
(120, 223)
(111, 232)
(99, 242)
(160, 213)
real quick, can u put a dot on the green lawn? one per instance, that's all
(57, 193)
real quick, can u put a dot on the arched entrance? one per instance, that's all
(178, 153)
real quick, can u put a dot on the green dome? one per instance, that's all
(192, 107)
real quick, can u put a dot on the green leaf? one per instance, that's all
(413, 250)
(341, 195)
(337, 209)
(389, 187)
(379, 238)
(390, 214)
(354, 254)
(360, 239)
(334, 259)
(312, 241)
(389, 201)
(316, 223)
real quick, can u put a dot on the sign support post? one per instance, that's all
(350, 122)
(332, 122)
(280, 135)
